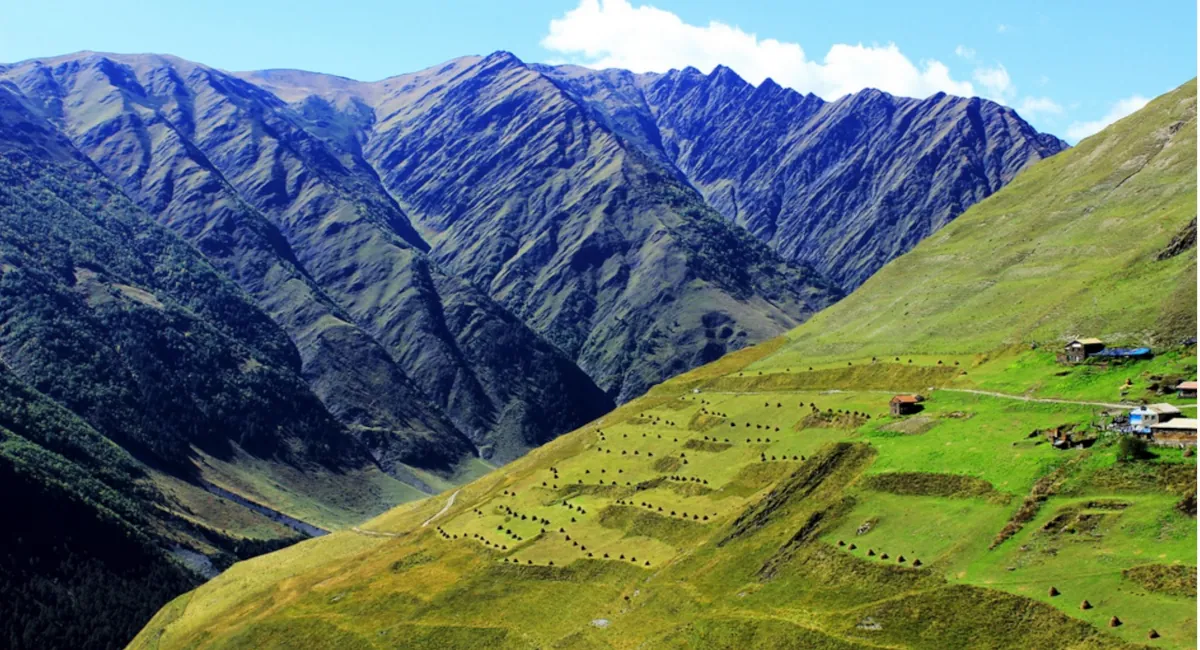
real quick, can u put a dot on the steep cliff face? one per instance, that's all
(846, 185)
(599, 246)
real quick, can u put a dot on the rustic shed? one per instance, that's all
(1080, 349)
(1177, 432)
(906, 404)
(1187, 389)
(1182, 425)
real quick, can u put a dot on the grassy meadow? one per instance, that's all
(659, 503)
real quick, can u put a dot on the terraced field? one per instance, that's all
(815, 511)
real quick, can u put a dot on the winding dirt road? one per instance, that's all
(449, 502)
(1047, 400)
(988, 393)
(376, 533)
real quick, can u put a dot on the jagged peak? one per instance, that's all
(867, 95)
(770, 84)
(502, 57)
(725, 76)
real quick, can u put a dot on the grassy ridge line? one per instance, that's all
(1027, 264)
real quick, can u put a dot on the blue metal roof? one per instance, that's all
(1123, 352)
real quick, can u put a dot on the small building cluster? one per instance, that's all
(1142, 418)
(1080, 350)
(1164, 424)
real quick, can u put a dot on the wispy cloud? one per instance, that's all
(1001, 28)
(643, 38)
(1122, 108)
(996, 83)
(1035, 106)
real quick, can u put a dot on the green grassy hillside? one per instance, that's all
(1080, 244)
(770, 500)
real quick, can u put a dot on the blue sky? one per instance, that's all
(1066, 69)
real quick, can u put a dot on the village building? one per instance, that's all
(1142, 418)
(1176, 432)
(1080, 349)
(1186, 390)
(906, 404)
(1176, 425)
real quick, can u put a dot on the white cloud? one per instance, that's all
(1031, 106)
(997, 85)
(615, 34)
(1001, 28)
(1127, 106)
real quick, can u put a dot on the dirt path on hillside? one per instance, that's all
(988, 393)
(376, 533)
(449, 502)
(373, 533)
(1047, 400)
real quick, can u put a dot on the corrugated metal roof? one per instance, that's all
(1187, 385)
(1089, 341)
(1163, 409)
(906, 399)
(1123, 352)
(1177, 424)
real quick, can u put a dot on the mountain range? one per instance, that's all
(846, 185)
(913, 467)
(286, 301)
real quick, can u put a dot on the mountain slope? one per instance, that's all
(845, 185)
(771, 499)
(308, 231)
(121, 322)
(604, 251)
(128, 364)
(1081, 244)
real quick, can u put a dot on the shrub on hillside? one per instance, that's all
(1131, 448)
